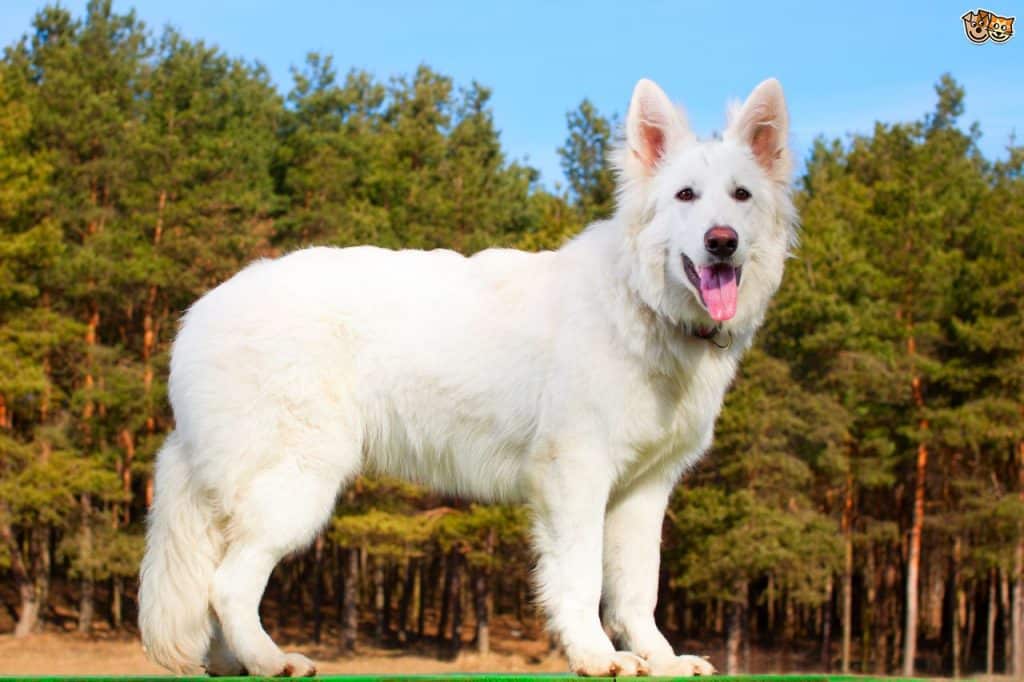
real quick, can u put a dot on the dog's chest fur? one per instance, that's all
(672, 417)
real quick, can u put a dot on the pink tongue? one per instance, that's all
(718, 287)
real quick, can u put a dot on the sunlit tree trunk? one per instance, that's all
(735, 628)
(916, 524)
(847, 528)
(350, 610)
(1017, 626)
(956, 626)
(87, 600)
(116, 602)
(28, 615)
(483, 600)
(990, 626)
(36, 597)
(34, 584)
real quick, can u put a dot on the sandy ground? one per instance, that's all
(67, 654)
(51, 654)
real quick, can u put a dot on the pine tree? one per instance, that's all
(585, 162)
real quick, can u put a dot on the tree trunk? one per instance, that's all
(34, 588)
(482, 606)
(21, 576)
(1017, 623)
(456, 608)
(888, 630)
(116, 593)
(789, 628)
(1004, 591)
(990, 626)
(969, 617)
(28, 617)
(127, 439)
(149, 326)
(87, 601)
(379, 607)
(405, 603)
(914, 563)
(446, 596)
(296, 589)
(338, 567)
(847, 528)
(482, 599)
(914, 550)
(955, 624)
(350, 610)
(869, 623)
(685, 616)
(1017, 616)
(826, 627)
(390, 581)
(735, 627)
(318, 588)
(87, 604)
(427, 584)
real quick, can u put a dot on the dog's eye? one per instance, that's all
(686, 194)
(741, 194)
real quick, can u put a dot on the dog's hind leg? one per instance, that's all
(280, 512)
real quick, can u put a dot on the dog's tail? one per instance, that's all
(182, 550)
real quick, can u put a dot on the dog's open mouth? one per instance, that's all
(717, 285)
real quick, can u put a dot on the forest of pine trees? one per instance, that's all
(864, 499)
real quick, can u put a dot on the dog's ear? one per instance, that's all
(762, 123)
(653, 126)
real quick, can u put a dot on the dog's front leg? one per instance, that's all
(632, 555)
(570, 492)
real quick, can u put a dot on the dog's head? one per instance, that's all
(710, 222)
(976, 25)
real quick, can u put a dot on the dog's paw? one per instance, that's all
(682, 666)
(297, 665)
(282, 665)
(615, 664)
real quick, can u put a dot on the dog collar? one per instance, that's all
(710, 334)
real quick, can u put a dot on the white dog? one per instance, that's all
(582, 382)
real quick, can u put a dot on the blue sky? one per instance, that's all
(843, 65)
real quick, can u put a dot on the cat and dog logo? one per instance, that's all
(983, 25)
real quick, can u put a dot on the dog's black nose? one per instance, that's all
(721, 241)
